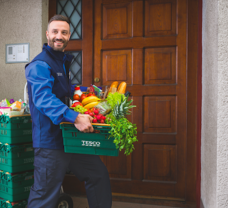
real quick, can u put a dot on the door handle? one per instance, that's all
(96, 79)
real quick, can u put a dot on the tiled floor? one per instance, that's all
(81, 202)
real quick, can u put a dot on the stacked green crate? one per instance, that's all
(15, 129)
(15, 187)
(16, 160)
(7, 204)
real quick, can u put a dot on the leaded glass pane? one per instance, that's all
(79, 7)
(73, 10)
(76, 67)
(69, 8)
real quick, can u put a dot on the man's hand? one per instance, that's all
(83, 123)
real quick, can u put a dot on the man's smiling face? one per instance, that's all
(58, 35)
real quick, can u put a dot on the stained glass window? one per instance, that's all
(73, 10)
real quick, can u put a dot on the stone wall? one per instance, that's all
(22, 21)
(214, 151)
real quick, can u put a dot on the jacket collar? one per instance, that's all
(57, 54)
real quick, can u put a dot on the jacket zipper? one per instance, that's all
(64, 60)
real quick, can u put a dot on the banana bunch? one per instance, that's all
(90, 102)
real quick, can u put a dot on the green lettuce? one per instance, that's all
(113, 98)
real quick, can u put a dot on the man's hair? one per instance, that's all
(58, 17)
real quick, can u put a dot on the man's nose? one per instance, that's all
(59, 35)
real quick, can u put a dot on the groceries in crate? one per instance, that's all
(103, 101)
(110, 107)
(12, 108)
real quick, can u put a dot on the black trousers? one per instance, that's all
(49, 169)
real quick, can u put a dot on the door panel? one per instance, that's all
(160, 17)
(160, 66)
(119, 167)
(116, 66)
(160, 114)
(159, 163)
(117, 20)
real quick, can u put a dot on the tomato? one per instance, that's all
(83, 96)
(91, 94)
(76, 97)
(76, 103)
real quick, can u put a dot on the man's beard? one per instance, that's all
(52, 41)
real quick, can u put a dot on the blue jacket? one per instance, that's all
(48, 87)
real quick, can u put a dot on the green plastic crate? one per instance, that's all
(16, 158)
(15, 187)
(16, 151)
(7, 204)
(16, 129)
(16, 180)
(15, 122)
(15, 132)
(16, 140)
(88, 143)
(24, 194)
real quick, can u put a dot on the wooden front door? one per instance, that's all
(144, 43)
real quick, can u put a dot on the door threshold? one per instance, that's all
(147, 197)
(153, 200)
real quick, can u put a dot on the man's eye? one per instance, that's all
(64, 33)
(55, 32)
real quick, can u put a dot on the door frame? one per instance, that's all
(199, 103)
(194, 88)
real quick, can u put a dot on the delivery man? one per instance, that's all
(48, 88)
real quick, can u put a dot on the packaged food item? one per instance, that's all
(17, 113)
(77, 91)
(16, 106)
(113, 87)
(98, 90)
(103, 107)
(12, 101)
(27, 109)
(5, 103)
(122, 87)
(5, 111)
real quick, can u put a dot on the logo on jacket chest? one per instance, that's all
(59, 74)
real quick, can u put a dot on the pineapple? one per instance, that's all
(122, 109)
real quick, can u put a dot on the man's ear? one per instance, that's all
(47, 34)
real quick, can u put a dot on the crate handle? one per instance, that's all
(3, 204)
(3, 119)
(19, 175)
(2, 146)
(4, 176)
